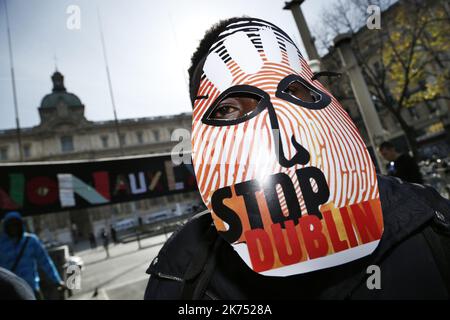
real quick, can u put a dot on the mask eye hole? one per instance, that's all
(300, 91)
(235, 105)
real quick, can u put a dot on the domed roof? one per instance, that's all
(52, 99)
(59, 93)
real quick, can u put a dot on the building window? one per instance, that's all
(26, 151)
(156, 135)
(432, 107)
(140, 137)
(413, 113)
(4, 153)
(104, 141)
(123, 140)
(171, 133)
(67, 143)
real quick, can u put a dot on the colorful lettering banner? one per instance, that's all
(50, 187)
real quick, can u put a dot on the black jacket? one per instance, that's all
(407, 169)
(14, 288)
(413, 256)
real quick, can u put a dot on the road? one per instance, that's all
(121, 276)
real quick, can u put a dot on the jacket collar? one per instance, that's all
(405, 211)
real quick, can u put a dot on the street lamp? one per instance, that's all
(308, 41)
(363, 98)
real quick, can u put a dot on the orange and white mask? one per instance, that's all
(280, 164)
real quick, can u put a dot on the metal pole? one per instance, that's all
(108, 75)
(363, 98)
(13, 80)
(307, 40)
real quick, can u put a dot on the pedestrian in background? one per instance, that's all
(113, 234)
(74, 230)
(105, 238)
(22, 253)
(401, 165)
(92, 240)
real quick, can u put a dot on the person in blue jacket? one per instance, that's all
(22, 253)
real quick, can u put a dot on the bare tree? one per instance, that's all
(406, 62)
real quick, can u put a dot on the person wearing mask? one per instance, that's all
(295, 209)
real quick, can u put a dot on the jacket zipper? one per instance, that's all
(166, 276)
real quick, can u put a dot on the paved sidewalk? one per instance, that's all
(122, 276)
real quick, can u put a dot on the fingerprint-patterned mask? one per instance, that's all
(289, 181)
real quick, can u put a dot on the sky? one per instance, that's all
(148, 45)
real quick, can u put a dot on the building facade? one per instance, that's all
(64, 133)
(430, 119)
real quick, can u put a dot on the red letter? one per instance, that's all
(338, 244)
(365, 221)
(348, 227)
(315, 241)
(6, 202)
(280, 243)
(101, 182)
(252, 238)
(16, 192)
(42, 191)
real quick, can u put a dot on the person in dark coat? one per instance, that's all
(248, 72)
(92, 240)
(400, 165)
(105, 239)
(113, 234)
